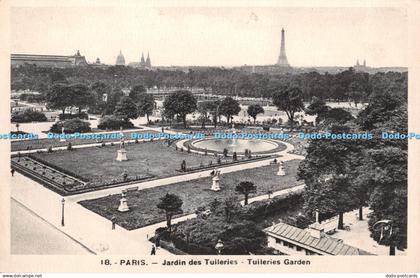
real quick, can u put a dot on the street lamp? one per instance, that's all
(62, 212)
(219, 246)
(385, 227)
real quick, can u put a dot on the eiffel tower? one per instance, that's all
(282, 61)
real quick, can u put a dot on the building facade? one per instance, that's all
(58, 61)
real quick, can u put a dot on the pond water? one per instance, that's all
(236, 145)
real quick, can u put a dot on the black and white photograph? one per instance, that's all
(242, 136)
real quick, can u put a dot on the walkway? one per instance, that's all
(84, 226)
(30, 234)
(359, 235)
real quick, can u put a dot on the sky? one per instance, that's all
(211, 36)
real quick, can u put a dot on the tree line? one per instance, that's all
(342, 175)
(348, 85)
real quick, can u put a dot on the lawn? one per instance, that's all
(194, 193)
(44, 143)
(99, 163)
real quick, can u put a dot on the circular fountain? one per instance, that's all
(235, 144)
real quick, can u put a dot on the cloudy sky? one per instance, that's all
(215, 36)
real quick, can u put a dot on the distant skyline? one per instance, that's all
(215, 36)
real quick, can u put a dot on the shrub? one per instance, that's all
(114, 123)
(261, 209)
(28, 116)
(82, 115)
(71, 126)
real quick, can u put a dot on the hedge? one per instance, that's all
(71, 126)
(28, 116)
(113, 123)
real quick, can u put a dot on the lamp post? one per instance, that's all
(219, 246)
(62, 211)
(385, 227)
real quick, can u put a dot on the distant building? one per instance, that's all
(98, 64)
(58, 61)
(290, 240)
(148, 62)
(144, 63)
(120, 60)
(359, 67)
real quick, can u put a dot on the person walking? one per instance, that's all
(113, 219)
(153, 250)
(12, 172)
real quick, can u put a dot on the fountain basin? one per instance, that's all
(237, 145)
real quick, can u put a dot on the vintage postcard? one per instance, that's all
(201, 136)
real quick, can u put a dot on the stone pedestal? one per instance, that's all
(123, 204)
(216, 184)
(281, 171)
(122, 155)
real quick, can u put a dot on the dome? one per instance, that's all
(120, 59)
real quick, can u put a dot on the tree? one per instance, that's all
(126, 109)
(388, 200)
(254, 110)
(205, 108)
(136, 91)
(230, 208)
(81, 97)
(59, 97)
(245, 188)
(229, 107)
(336, 116)
(317, 107)
(98, 90)
(146, 105)
(180, 103)
(57, 77)
(386, 168)
(290, 101)
(327, 171)
(171, 204)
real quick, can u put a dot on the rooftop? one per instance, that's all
(325, 244)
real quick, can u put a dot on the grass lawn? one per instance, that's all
(44, 143)
(98, 163)
(194, 193)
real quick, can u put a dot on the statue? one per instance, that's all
(281, 171)
(122, 153)
(123, 203)
(63, 135)
(216, 180)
